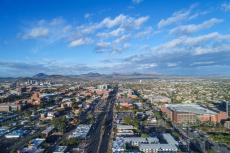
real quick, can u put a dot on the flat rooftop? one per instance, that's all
(60, 149)
(81, 130)
(190, 108)
(124, 127)
(169, 139)
(158, 147)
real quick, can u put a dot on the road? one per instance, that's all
(102, 129)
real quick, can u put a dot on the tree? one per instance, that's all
(127, 120)
(144, 135)
(60, 124)
(135, 123)
(70, 142)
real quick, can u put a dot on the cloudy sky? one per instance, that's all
(106, 36)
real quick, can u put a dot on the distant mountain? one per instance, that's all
(97, 76)
(91, 74)
(136, 73)
(40, 75)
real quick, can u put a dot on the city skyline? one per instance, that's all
(75, 37)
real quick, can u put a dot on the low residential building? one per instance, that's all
(14, 106)
(125, 133)
(36, 142)
(135, 141)
(48, 131)
(81, 131)
(155, 148)
(16, 134)
(121, 127)
(159, 99)
(124, 130)
(151, 122)
(169, 139)
(118, 145)
(60, 149)
(5, 108)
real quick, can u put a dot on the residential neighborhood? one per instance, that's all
(123, 116)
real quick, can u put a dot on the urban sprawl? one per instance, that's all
(165, 115)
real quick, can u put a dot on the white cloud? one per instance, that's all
(87, 15)
(211, 49)
(116, 31)
(139, 21)
(109, 23)
(147, 32)
(187, 29)
(183, 52)
(148, 66)
(225, 6)
(122, 39)
(137, 1)
(47, 31)
(202, 63)
(197, 14)
(78, 42)
(113, 33)
(103, 44)
(55, 21)
(189, 43)
(36, 33)
(180, 16)
(121, 20)
(176, 17)
(172, 64)
(116, 46)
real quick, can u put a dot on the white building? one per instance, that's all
(155, 148)
(135, 141)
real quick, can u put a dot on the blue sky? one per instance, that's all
(107, 36)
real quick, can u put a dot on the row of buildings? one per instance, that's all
(126, 139)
